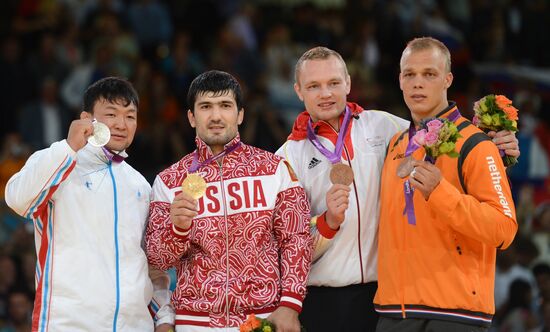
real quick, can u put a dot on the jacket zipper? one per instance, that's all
(401, 264)
(358, 210)
(358, 219)
(222, 189)
(115, 198)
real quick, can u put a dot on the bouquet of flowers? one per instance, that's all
(438, 137)
(255, 324)
(496, 113)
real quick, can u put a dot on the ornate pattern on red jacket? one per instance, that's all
(251, 238)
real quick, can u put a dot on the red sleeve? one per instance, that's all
(164, 242)
(291, 227)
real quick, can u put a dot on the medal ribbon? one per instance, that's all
(195, 165)
(407, 188)
(114, 157)
(336, 156)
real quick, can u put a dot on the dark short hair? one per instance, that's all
(217, 82)
(112, 89)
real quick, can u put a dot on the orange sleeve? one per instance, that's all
(486, 213)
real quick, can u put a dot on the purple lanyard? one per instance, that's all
(117, 158)
(195, 165)
(336, 156)
(407, 188)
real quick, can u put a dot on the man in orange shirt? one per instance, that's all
(437, 273)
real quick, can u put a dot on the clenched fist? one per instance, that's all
(79, 131)
(337, 200)
(183, 210)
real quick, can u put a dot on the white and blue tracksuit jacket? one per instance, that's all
(89, 216)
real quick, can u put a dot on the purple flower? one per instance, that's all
(475, 120)
(434, 125)
(419, 137)
(431, 138)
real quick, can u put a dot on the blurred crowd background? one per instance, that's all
(50, 51)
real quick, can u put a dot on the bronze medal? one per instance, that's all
(341, 174)
(405, 167)
(194, 185)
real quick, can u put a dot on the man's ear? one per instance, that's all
(240, 116)
(297, 90)
(449, 80)
(85, 115)
(191, 118)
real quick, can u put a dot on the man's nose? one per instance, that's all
(325, 92)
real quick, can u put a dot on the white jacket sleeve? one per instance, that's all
(36, 182)
(164, 313)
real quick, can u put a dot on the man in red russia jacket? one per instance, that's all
(243, 247)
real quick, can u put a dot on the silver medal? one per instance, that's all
(101, 135)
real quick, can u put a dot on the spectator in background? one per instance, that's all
(541, 230)
(69, 50)
(20, 312)
(509, 269)
(152, 25)
(13, 155)
(45, 120)
(230, 54)
(516, 314)
(541, 271)
(181, 66)
(545, 313)
(44, 64)
(122, 42)
(8, 279)
(280, 54)
(535, 163)
(99, 66)
(242, 24)
(13, 84)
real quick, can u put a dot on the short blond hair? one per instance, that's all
(317, 53)
(427, 43)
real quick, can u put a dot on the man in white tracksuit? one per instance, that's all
(89, 209)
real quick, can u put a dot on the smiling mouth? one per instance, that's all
(326, 105)
(216, 130)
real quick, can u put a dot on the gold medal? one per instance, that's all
(341, 174)
(194, 185)
(405, 167)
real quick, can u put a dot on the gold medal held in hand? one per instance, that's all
(194, 185)
(341, 174)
